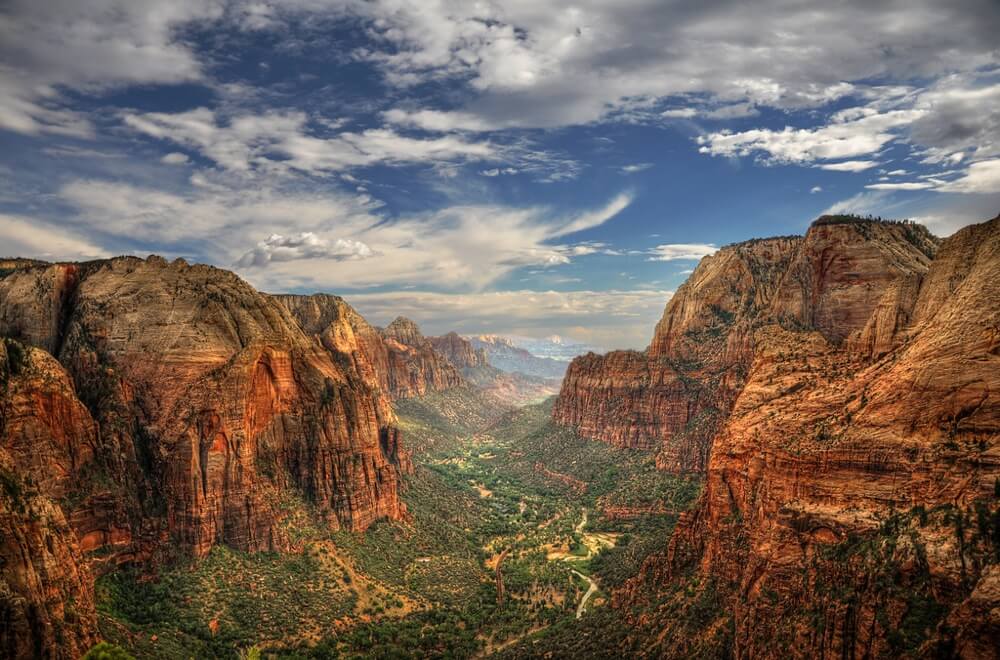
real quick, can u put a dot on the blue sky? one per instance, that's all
(514, 167)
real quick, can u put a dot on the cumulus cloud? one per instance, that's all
(31, 237)
(815, 189)
(305, 245)
(677, 251)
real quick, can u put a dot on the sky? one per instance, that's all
(514, 167)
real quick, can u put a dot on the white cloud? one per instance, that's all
(591, 316)
(815, 189)
(676, 251)
(321, 237)
(679, 113)
(88, 46)
(174, 158)
(863, 202)
(530, 64)
(305, 245)
(902, 185)
(30, 237)
(636, 167)
(280, 141)
(849, 166)
(858, 133)
(981, 177)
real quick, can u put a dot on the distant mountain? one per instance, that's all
(554, 347)
(504, 354)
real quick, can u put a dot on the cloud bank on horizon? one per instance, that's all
(507, 166)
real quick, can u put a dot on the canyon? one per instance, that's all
(153, 409)
(804, 461)
(838, 392)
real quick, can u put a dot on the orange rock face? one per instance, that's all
(414, 366)
(671, 396)
(183, 406)
(46, 441)
(459, 351)
(851, 490)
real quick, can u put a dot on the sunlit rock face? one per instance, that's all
(183, 406)
(860, 455)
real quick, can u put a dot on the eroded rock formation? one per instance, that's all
(852, 502)
(184, 406)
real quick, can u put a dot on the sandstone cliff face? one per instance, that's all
(671, 396)
(190, 405)
(46, 440)
(400, 359)
(415, 367)
(459, 351)
(851, 507)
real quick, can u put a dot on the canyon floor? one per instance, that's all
(517, 531)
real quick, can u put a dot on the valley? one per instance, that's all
(484, 510)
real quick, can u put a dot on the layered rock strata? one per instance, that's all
(852, 498)
(156, 401)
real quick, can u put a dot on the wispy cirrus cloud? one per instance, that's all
(678, 251)
(285, 238)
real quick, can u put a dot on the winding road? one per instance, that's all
(581, 608)
(590, 592)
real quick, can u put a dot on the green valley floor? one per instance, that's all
(517, 533)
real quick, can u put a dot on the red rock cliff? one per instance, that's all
(183, 406)
(415, 367)
(671, 396)
(46, 442)
(851, 504)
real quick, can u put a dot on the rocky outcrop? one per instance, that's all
(671, 396)
(415, 367)
(46, 444)
(852, 501)
(400, 359)
(459, 351)
(184, 406)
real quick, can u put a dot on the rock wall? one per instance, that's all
(671, 396)
(183, 407)
(415, 367)
(852, 506)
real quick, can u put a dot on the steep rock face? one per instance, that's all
(851, 494)
(671, 396)
(35, 302)
(211, 401)
(399, 358)
(414, 367)
(846, 268)
(347, 336)
(475, 367)
(459, 351)
(46, 441)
